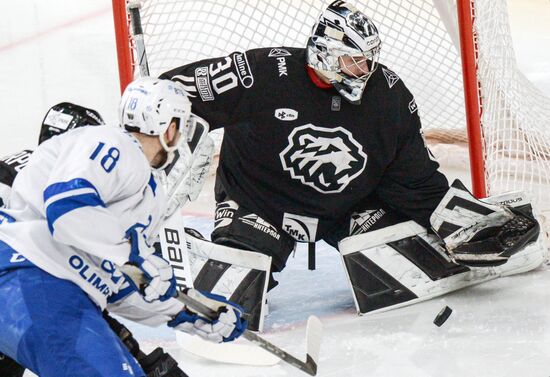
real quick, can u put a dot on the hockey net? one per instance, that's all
(420, 43)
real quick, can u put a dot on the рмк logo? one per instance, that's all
(327, 159)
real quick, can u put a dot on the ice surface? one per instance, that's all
(500, 328)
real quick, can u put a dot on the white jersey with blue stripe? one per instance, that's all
(71, 207)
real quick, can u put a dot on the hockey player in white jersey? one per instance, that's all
(182, 180)
(59, 119)
(86, 205)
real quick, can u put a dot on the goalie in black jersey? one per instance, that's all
(325, 143)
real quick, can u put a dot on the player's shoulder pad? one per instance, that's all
(391, 79)
(389, 82)
(112, 140)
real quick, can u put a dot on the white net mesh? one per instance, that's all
(420, 43)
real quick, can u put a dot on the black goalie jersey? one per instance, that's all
(301, 156)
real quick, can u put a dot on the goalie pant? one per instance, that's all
(236, 225)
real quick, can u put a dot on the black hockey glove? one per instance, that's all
(10, 368)
(479, 234)
(157, 364)
(124, 334)
(160, 364)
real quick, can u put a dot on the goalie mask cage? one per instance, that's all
(456, 57)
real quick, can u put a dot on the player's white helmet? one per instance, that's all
(343, 31)
(149, 105)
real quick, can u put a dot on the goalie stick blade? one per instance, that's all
(229, 353)
(314, 333)
(309, 366)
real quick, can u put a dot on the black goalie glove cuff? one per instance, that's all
(476, 233)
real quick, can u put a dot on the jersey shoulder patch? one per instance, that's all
(391, 77)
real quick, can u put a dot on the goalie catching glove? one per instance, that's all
(228, 326)
(478, 234)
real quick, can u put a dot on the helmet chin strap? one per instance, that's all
(167, 161)
(353, 96)
(170, 153)
(351, 92)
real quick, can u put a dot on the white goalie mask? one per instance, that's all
(344, 48)
(150, 105)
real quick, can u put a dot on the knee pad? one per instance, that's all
(238, 227)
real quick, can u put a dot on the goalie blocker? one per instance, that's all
(405, 263)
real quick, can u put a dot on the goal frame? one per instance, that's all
(469, 56)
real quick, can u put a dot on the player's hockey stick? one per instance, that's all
(236, 352)
(314, 331)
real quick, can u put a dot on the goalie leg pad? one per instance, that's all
(400, 265)
(239, 275)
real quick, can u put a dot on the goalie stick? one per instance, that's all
(235, 352)
(314, 329)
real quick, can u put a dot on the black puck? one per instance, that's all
(442, 316)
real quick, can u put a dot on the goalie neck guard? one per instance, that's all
(344, 49)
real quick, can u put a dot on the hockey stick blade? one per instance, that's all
(233, 352)
(313, 335)
(314, 329)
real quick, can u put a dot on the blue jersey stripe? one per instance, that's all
(125, 290)
(60, 207)
(73, 184)
(153, 185)
(4, 217)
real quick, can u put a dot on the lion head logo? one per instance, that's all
(327, 159)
